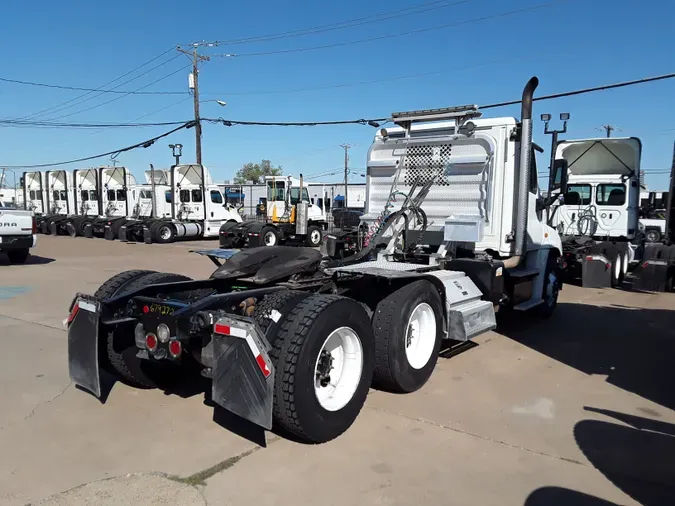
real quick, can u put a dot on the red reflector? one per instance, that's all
(589, 257)
(151, 341)
(219, 328)
(146, 309)
(263, 366)
(73, 313)
(175, 348)
(644, 265)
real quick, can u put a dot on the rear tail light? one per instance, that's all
(151, 341)
(175, 348)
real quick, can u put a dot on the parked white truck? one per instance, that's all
(18, 232)
(193, 207)
(598, 214)
(295, 340)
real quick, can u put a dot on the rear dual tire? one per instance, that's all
(117, 350)
(408, 327)
(323, 354)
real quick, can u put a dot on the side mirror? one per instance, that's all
(558, 177)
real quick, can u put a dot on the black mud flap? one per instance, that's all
(123, 234)
(147, 235)
(108, 233)
(243, 374)
(89, 230)
(596, 272)
(651, 276)
(83, 343)
(54, 229)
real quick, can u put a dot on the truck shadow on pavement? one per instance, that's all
(637, 456)
(31, 260)
(633, 347)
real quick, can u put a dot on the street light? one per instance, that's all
(564, 117)
(177, 150)
(221, 103)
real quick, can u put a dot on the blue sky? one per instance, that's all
(568, 44)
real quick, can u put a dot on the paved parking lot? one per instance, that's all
(575, 410)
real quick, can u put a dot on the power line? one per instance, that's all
(372, 122)
(53, 124)
(383, 80)
(375, 18)
(144, 144)
(401, 34)
(59, 107)
(121, 96)
(77, 88)
(583, 91)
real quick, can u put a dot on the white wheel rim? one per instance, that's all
(270, 239)
(165, 233)
(625, 263)
(344, 350)
(315, 237)
(617, 268)
(420, 336)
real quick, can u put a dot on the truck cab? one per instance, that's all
(60, 198)
(87, 190)
(602, 199)
(34, 194)
(284, 192)
(199, 199)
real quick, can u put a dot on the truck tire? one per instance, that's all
(322, 336)
(652, 235)
(115, 227)
(408, 327)
(624, 260)
(314, 236)
(18, 256)
(269, 236)
(163, 232)
(612, 254)
(121, 348)
(79, 230)
(114, 286)
(227, 242)
(268, 313)
(551, 289)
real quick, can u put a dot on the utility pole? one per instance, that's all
(194, 84)
(346, 148)
(609, 129)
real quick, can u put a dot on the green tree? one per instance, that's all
(256, 172)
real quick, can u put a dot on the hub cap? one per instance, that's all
(165, 233)
(617, 267)
(315, 237)
(338, 369)
(270, 239)
(420, 336)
